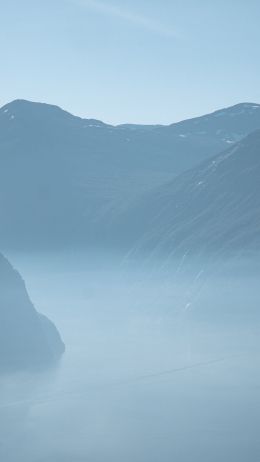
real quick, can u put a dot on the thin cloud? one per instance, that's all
(126, 15)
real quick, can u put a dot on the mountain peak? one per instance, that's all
(238, 109)
(24, 109)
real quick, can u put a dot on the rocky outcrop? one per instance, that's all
(27, 338)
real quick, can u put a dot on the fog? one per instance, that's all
(161, 364)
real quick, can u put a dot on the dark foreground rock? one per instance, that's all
(27, 339)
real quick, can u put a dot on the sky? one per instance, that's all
(136, 61)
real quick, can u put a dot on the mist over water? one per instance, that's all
(160, 364)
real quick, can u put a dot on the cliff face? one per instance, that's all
(212, 208)
(27, 339)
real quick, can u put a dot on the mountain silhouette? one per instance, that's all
(27, 339)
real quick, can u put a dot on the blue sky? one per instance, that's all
(144, 61)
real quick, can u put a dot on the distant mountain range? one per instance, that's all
(64, 181)
(27, 338)
(213, 207)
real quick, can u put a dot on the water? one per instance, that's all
(144, 378)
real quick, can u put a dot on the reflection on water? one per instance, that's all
(152, 371)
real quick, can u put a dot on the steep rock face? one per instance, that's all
(27, 339)
(214, 207)
(61, 175)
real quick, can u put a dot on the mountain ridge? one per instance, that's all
(14, 104)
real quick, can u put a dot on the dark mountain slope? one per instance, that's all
(214, 207)
(27, 339)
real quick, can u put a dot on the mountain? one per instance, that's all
(27, 338)
(229, 125)
(211, 208)
(63, 177)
